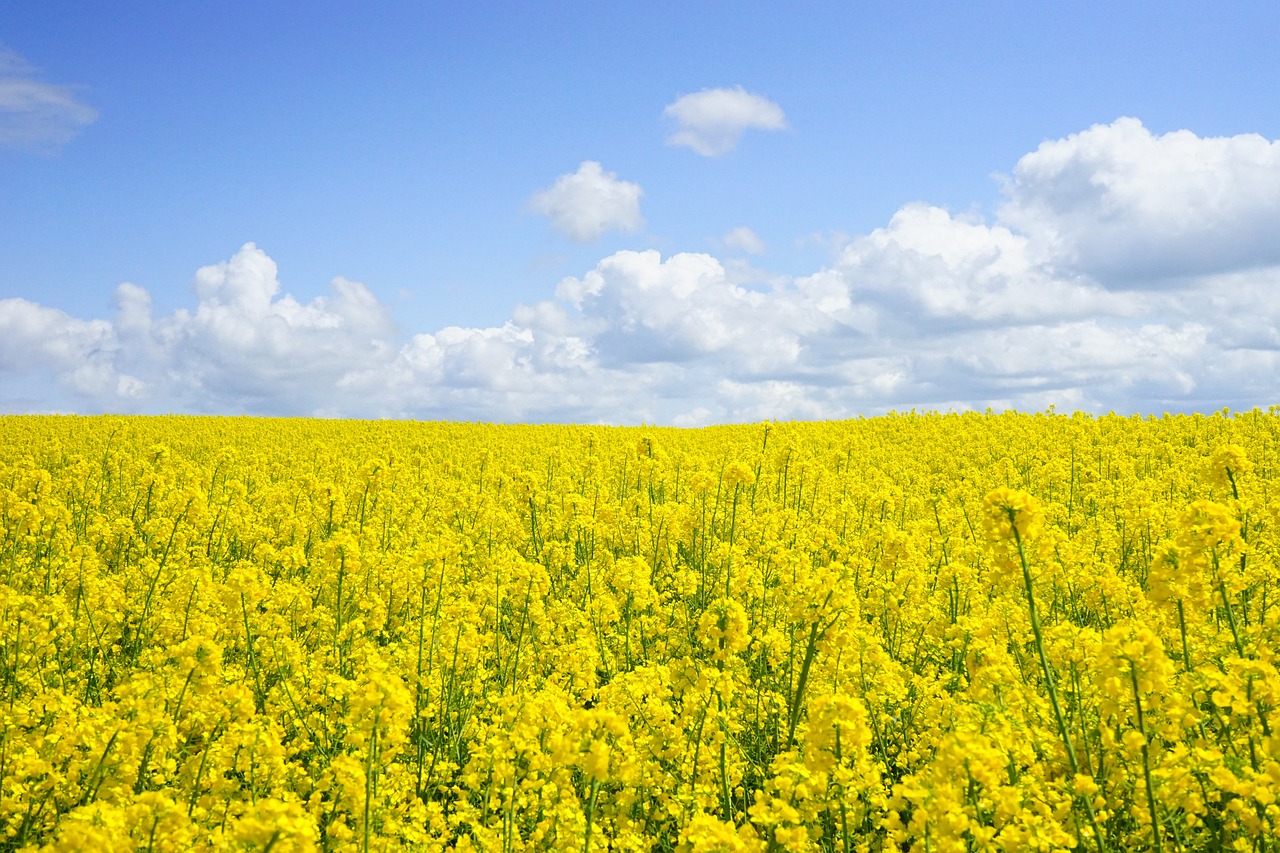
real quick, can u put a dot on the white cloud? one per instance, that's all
(243, 347)
(932, 268)
(743, 239)
(1127, 206)
(586, 203)
(1087, 353)
(713, 120)
(248, 346)
(80, 354)
(932, 310)
(36, 115)
(686, 310)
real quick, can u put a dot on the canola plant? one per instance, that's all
(917, 632)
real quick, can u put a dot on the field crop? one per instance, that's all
(917, 632)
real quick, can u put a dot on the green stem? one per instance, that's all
(1182, 628)
(1039, 637)
(844, 810)
(591, 813)
(733, 530)
(1048, 673)
(726, 801)
(1146, 759)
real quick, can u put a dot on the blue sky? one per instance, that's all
(488, 211)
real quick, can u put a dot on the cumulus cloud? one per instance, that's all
(1119, 203)
(939, 270)
(79, 353)
(244, 347)
(586, 203)
(35, 115)
(250, 347)
(712, 121)
(933, 310)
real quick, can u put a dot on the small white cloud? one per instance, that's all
(586, 203)
(712, 121)
(743, 239)
(34, 115)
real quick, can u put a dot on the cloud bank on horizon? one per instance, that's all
(1123, 271)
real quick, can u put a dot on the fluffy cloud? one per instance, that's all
(36, 115)
(640, 309)
(244, 348)
(1126, 206)
(585, 204)
(246, 345)
(939, 270)
(80, 354)
(712, 121)
(933, 310)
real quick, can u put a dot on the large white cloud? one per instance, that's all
(637, 308)
(33, 114)
(1127, 206)
(79, 354)
(932, 310)
(935, 269)
(584, 204)
(712, 121)
(243, 348)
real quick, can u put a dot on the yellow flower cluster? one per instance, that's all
(917, 632)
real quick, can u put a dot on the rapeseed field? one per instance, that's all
(915, 632)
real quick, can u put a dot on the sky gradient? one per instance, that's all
(638, 212)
